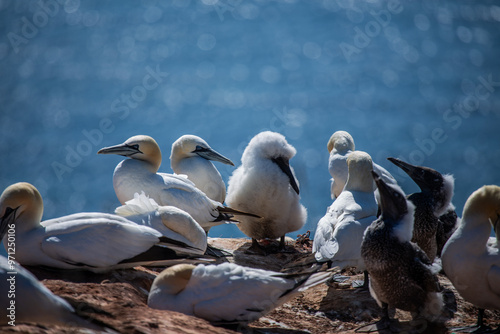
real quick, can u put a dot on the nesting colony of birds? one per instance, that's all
(399, 242)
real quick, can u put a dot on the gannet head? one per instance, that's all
(193, 146)
(396, 210)
(271, 146)
(20, 201)
(341, 141)
(359, 165)
(393, 200)
(173, 280)
(430, 181)
(484, 202)
(139, 147)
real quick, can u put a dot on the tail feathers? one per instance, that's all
(140, 204)
(316, 279)
(234, 212)
(308, 279)
(301, 264)
(180, 246)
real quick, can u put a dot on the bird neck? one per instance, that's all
(481, 210)
(361, 182)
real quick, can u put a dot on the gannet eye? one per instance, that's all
(135, 146)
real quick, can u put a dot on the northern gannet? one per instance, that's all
(139, 173)
(227, 293)
(26, 300)
(265, 184)
(401, 275)
(340, 232)
(431, 203)
(340, 145)
(471, 265)
(92, 241)
(191, 156)
(170, 221)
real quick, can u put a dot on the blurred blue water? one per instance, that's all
(416, 80)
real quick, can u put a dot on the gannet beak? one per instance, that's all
(388, 206)
(415, 172)
(285, 168)
(8, 218)
(210, 154)
(121, 149)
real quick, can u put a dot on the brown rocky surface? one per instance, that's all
(118, 301)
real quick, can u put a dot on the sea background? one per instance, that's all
(419, 80)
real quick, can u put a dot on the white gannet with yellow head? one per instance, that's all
(340, 145)
(89, 240)
(266, 185)
(340, 232)
(227, 293)
(191, 156)
(468, 261)
(139, 173)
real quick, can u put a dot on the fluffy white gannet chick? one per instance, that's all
(340, 145)
(435, 217)
(89, 240)
(401, 275)
(227, 293)
(33, 302)
(266, 185)
(139, 173)
(340, 232)
(191, 156)
(471, 265)
(170, 221)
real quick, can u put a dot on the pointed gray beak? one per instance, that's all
(210, 154)
(121, 149)
(284, 165)
(8, 218)
(416, 173)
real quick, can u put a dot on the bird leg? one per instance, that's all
(383, 324)
(282, 244)
(363, 285)
(256, 249)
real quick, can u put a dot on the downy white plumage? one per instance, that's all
(265, 184)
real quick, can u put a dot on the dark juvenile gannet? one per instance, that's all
(227, 293)
(32, 301)
(265, 184)
(191, 156)
(340, 146)
(139, 173)
(401, 275)
(340, 232)
(471, 265)
(89, 240)
(432, 203)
